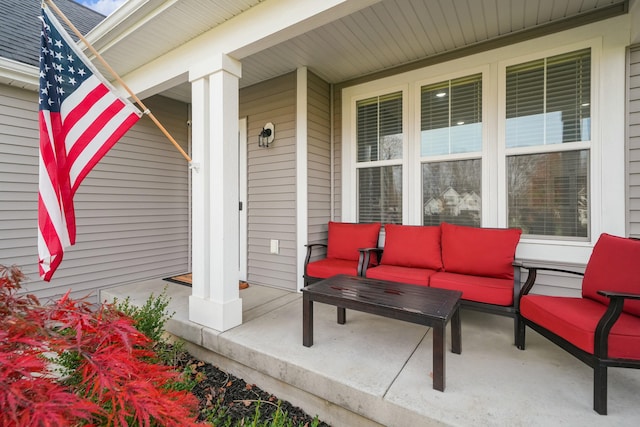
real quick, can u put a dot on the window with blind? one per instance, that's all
(380, 138)
(451, 124)
(547, 136)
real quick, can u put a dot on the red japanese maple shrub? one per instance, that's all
(115, 384)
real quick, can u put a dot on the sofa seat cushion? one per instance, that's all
(478, 251)
(393, 273)
(487, 290)
(328, 267)
(345, 239)
(412, 246)
(575, 320)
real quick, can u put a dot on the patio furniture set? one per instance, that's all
(425, 274)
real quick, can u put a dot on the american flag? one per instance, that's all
(81, 118)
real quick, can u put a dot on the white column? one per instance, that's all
(215, 300)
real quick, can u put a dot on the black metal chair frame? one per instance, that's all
(599, 360)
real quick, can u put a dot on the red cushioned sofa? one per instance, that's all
(602, 327)
(477, 261)
(343, 254)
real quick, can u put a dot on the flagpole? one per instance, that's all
(117, 77)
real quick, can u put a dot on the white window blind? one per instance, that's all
(548, 100)
(451, 116)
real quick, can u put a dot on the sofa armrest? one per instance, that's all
(609, 318)
(365, 259)
(623, 295)
(533, 273)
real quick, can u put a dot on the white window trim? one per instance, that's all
(546, 248)
(416, 194)
(350, 156)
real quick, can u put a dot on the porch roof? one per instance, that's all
(340, 41)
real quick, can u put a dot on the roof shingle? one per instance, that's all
(20, 26)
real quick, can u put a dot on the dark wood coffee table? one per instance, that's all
(411, 303)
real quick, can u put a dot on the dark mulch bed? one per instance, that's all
(240, 398)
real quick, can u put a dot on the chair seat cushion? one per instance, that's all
(394, 273)
(328, 267)
(487, 290)
(575, 320)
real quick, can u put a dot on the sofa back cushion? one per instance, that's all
(346, 238)
(613, 266)
(487, 252)
(412, 246)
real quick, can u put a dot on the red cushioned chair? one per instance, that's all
(601, 328)
(343, 251)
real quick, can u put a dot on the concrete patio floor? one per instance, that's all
(376, 371)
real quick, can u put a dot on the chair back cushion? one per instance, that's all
(487, 252)
(613, 266)
(346, 238)
(412, 246)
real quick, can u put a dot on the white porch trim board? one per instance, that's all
(215, 301)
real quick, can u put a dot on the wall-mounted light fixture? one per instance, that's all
(266, 135)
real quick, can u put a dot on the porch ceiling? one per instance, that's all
(384, 35)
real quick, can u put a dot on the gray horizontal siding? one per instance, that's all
(132, 210)
(318, 160)
(271, 182)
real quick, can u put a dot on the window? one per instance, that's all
(379, 157)
(548, 121)
(451, 124)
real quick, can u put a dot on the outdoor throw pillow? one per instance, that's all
(412, 246)
(478, 251)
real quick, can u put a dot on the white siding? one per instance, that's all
(271, 182)
(633, 143)
(131, 210)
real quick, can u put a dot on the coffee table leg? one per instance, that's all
(342, 316)
(456, 334)
(307, 321)
(439, 356)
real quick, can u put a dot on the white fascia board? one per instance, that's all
(18, 74)
(260, 27)
(107, 31)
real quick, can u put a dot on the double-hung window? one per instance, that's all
(380, 138)
(547, 139)
(451, 149)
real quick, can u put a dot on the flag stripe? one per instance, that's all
(91, 156)
(80, 119)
